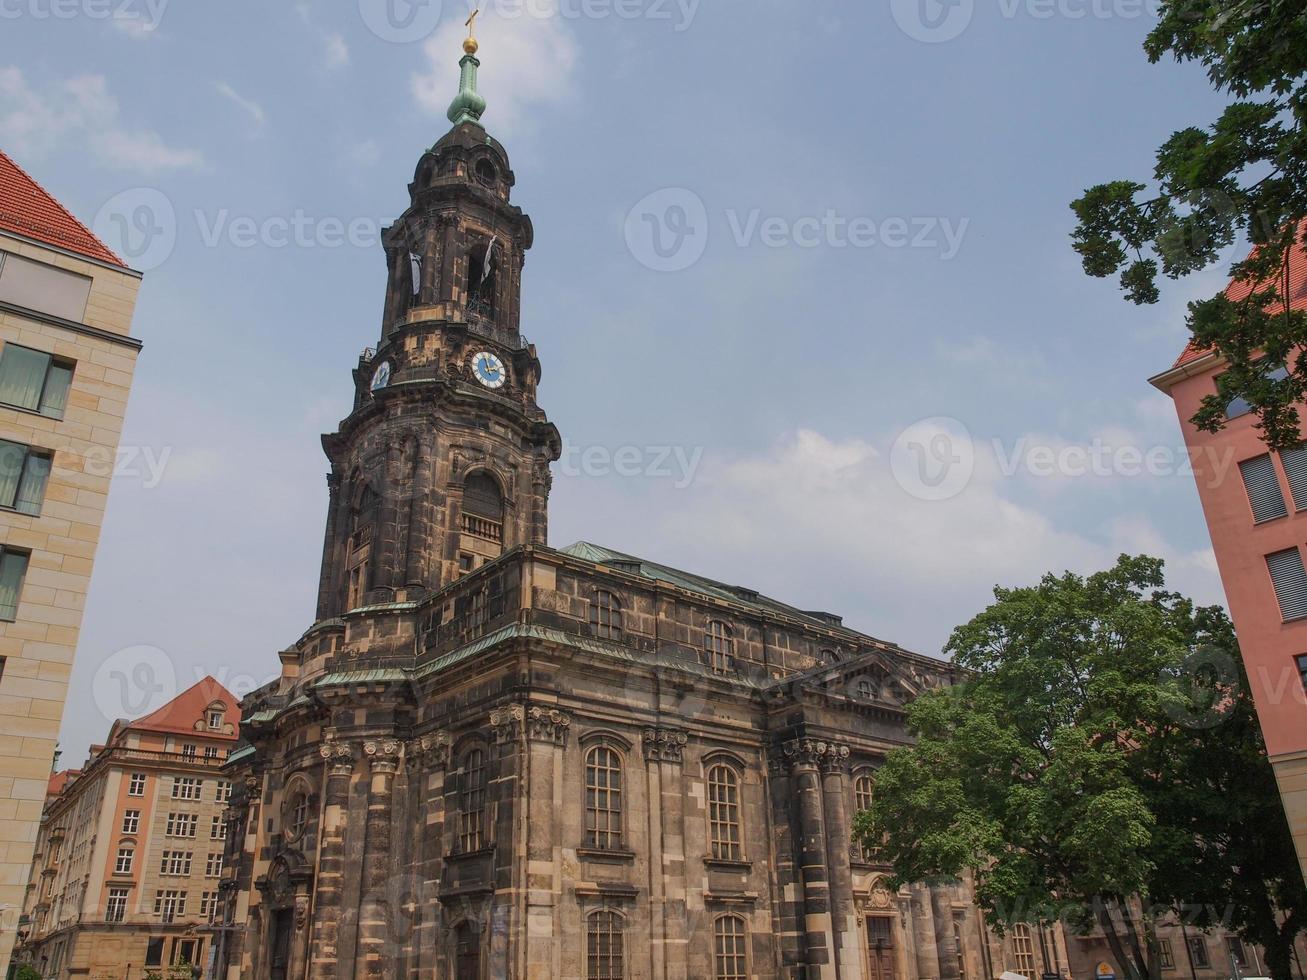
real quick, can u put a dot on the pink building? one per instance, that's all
(1255, 502)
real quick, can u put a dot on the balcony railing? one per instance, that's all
(481, 527)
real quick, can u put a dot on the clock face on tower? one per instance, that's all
(489, 369)
(382, 376)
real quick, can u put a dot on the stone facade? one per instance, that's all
(128, 861)
(490, 758)
(63, 295)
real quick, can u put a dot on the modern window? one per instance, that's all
(123, 864)
(224, 791)
(13, 569)
(213, 865)
(115, 909)
(208, 906)
(211, 752)
(1294, 462)
(136, 784)
(472, 802)
(44, 288)
(1237, 406)
(175, 863)
(604, 955)
(188, 751)
(1290, 581)
(131, 821)
(169, 904)
(1198, 952)
(218, 829)
(154, 948)
(23, 475)
(1234, 947)
(1166, 954)
(606, 615)
(730, 953)
(33, 380)
(215, 720)
(1023, 949)
(724, 813)
(186, 788)
(603, 798)
(186, 952)
(181, 824)
(719, 645)
(1263, 488)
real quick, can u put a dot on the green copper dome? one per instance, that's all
(469, 104)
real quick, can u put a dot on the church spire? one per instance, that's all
(469, 104)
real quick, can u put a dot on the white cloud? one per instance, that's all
(82, 110)
(337, 51)
(527, 63)
(250, 107)
(823, 521)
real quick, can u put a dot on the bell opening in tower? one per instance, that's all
(481, 268)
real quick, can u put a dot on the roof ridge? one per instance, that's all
(53, 232)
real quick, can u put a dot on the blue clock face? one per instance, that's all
(382, 376)
(489, 369)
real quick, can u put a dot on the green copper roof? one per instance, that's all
(469, 104)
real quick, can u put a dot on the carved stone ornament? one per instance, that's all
(507, 722)
(340, 755)
(817, 754)
(383, 753)
(547, 725)
(663, 744)
(429, 751)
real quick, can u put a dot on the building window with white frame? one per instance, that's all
(115, 909)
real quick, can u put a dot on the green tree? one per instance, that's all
(1103, 749)
(26, 971)
(1244, 175)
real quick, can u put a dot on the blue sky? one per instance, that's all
(862, 224)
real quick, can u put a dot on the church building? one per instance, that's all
(489, 758)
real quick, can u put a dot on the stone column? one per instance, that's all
(834, 766)
(538, 732)
(941, 908)
(372, 957)
(419, 518)
(663, 753)
(804, 755)
(385, 555)
(923, 927)
(339, 758)
(330, 548)
(428, 760)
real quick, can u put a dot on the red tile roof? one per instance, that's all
(59, 780)
(186, 710)
(27, 209)
(1237, 290)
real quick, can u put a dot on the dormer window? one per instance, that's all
(215, 720)
(485, 173)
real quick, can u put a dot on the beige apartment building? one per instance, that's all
(124, 881)
(66, 362)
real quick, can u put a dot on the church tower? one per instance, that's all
(443, 464)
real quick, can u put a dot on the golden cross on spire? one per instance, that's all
(470, 45)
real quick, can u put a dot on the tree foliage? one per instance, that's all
(1102, 765)
(1245, 175)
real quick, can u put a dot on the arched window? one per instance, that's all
(606, 615)
(483, 508)
(297, 816)
(862, 787)
(481, 266)
(603, 798)
(472, 802)
(603, 930)
(724, 813)
(485, 172)
(719, 645)
(730, 954)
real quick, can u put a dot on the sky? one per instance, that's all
(802, 287)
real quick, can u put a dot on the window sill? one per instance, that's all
(606, 855)
(722, 864)
(32, 411)
(457, 856)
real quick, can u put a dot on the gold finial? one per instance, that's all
(470, 45)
